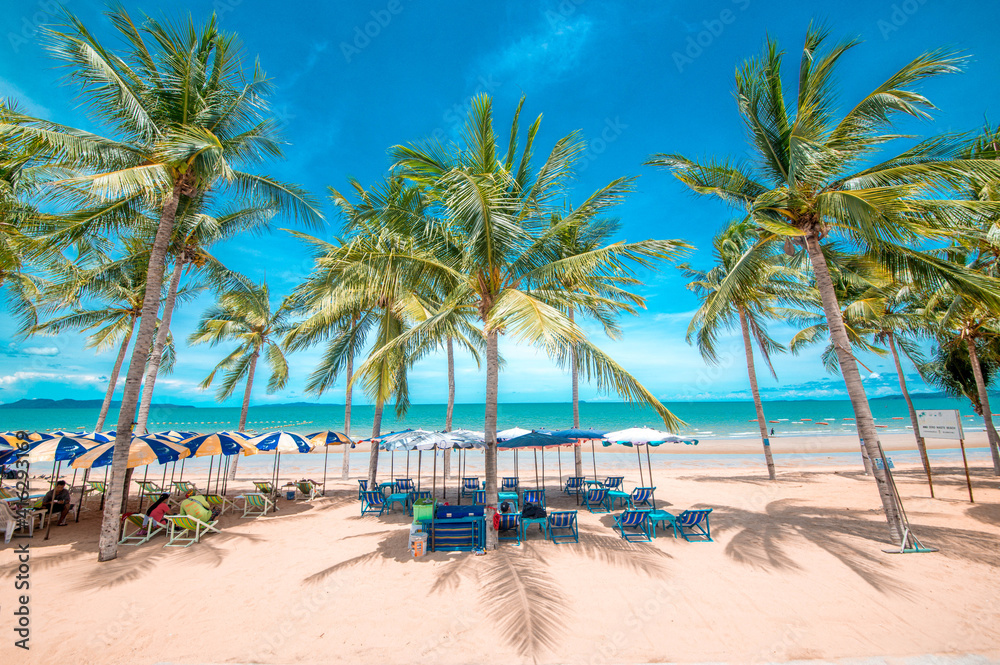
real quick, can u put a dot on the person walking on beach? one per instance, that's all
(57, 499)
(772, 431)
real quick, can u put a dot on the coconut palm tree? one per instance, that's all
(814, 177)
(497, 205)
(183, 116)
(751, 283)
(243, 314)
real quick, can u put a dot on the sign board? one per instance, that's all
(945, 424)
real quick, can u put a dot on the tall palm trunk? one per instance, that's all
(373, 453)
(153, 366)
(984, 400)
(852, 379)
(108, 542)
(346, 469)
(114, 378)
(752, 373)
(492, 376)
(575, 378)
(451, 404)
(921, 446)
(244, 411)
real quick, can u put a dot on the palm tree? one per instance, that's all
(243, 314)
(498, 205)
(813, 176)
(184, 115)
(750, 283)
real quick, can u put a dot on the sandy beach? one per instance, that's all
(796, 571)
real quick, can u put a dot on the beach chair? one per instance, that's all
(7, 493)
(151, 490)
(469, 485)
(634, 519)
(222, 502)
(405, 485)
(185, 530)
(184, 486)
(256, 504)
(534, 496)
(267, 488)
(641, 496)
(13, 522)
(692, 525)
(509, 522)
(509, 484)
(479, 498)
(596, 496)
(98, 487)
(362, 486)
(612, 483)
(308, 488)
(134, 533)
(372, 501)
(562, 526)
(414, 497)
(574, 485)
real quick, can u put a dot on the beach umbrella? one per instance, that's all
(582, 435)
(535, 441)
(173, 435)
(644, 436)
(419, 440)
(326, 439)
(142, 451)
(218, 443)
(512, 433)
(99, 437)
(280, 442)
(59, 449)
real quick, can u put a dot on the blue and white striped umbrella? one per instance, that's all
(219, 443)
(281, 442)
(142, 451)
(59, 449)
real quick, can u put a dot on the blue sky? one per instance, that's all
(353, 78)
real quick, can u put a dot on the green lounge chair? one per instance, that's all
(185, 530)
(309, 489)
(151, 490)
(256, 504)
(634, 519)
(562, 526)
(184, 486)
(134, 533)
(222, 502)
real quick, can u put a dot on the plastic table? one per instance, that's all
(661, 516)
(542, 522)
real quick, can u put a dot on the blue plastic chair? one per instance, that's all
(613, 482)
(372, 501)
(362, 486)
(635, 519)
(596, 496)
(479, 498)
(574, 485)
(404, 485)
(692, 525)
(534, 496)
(509, 484)
(509, 522)
(469, 485)
(641, 496)
(562, 526)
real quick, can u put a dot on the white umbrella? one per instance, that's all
(419, 440)
(512, 433)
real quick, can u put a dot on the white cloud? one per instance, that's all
(61, 377)
(28, 105)
(41, 350)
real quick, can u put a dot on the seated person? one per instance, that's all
(198, 507)
(57, 501)
(155, 513)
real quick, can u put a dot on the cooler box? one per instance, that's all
(450, 512)
(423, 510)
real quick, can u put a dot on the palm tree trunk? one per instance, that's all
(373, 453)
(852, 380)
(153, 366)
(108, 542)
(114, 378)
(752, 373)
(451, 404)
(492, 377)
(346, 469)
(575, 378)
(244, 411)
(984, 400)
(921, 446)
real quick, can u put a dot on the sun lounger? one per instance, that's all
(184, 486)
(596, 496)
(509, 522)
(509, 484)
(372, 501)
(534, 496)
(308, 488)
(404, 485)
(634, 519)
(469, 485)
(256, 504)
(574, 485)
(692, 525)
(479, 498)
(362, 486)
(13, 522)
(613, 482)
(135, 533)
(562, 526)
(641, 496)
(222, 502)
(265, 487)
(186, 530)
(151, 490)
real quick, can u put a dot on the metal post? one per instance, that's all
(968, 480)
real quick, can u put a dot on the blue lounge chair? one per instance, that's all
(596, 496)
(613, 482)
(362, 486)
(534, 496)
(574, 485)
(509, 484)
(641, 496)
(372, 501)
(414, 497)
(692, 525)
(469, 485)
(404, 485)
(562, 526)
(509, 522)
(635, 519)
(479, 498)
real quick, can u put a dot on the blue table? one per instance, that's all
(662, 517)
(623, 498)
(542, 522)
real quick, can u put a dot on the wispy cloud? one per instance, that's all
(41, 350)
(11, 91)
(27, 377)
(543, 55)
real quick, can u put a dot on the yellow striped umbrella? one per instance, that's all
(327, 439)
(142, 451)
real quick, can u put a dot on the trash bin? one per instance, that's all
(419, 544)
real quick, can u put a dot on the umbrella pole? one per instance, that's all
(173, 468)
(142, 494)
(593, 456)
(559, 459)
(326, 454)
(650, 465)
(536, 467)
(434, 483)
(52, 504)
(420, 462)
(407, 464)
(83, 488)
(208, 484)
(642, 480)
(458, 492)
(225, 477)
(164, 480)
(392, 464)
(543, 468)
(105, 488)
(181, 477)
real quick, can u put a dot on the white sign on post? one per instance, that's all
(945, 424)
